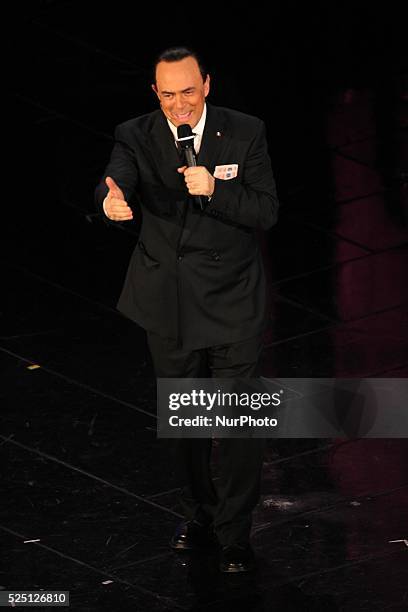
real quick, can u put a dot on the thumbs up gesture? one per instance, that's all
(115, 205)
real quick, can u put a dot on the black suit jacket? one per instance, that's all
(195, 275)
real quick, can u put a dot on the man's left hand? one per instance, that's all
(198, 180)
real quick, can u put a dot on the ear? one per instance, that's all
(155, 90)
(207, 85)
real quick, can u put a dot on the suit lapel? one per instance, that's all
(213, 139)
(165, 153)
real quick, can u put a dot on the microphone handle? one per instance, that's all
(191, 161)
(190, 157)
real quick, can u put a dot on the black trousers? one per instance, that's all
(230, 503)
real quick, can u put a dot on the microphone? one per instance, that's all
(185, 139)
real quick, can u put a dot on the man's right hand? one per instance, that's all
(115, 205)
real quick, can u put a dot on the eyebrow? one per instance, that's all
(164, 91)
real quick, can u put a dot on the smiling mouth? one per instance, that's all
(182, 116)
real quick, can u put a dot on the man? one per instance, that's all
(195, 281)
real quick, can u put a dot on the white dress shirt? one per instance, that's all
(198, 135)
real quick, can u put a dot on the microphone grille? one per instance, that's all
(184, 131)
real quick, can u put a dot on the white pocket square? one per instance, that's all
(226, 172)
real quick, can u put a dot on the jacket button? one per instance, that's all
(180, 257)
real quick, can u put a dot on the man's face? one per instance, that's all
(181, 90)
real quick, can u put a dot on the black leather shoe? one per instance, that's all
(236, 558)
(192, 535)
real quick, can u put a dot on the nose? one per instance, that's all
(179, 103)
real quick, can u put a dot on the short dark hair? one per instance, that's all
(175, 54)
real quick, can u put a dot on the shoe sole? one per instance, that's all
(204, 546)
(181, 547)
(227, 569)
